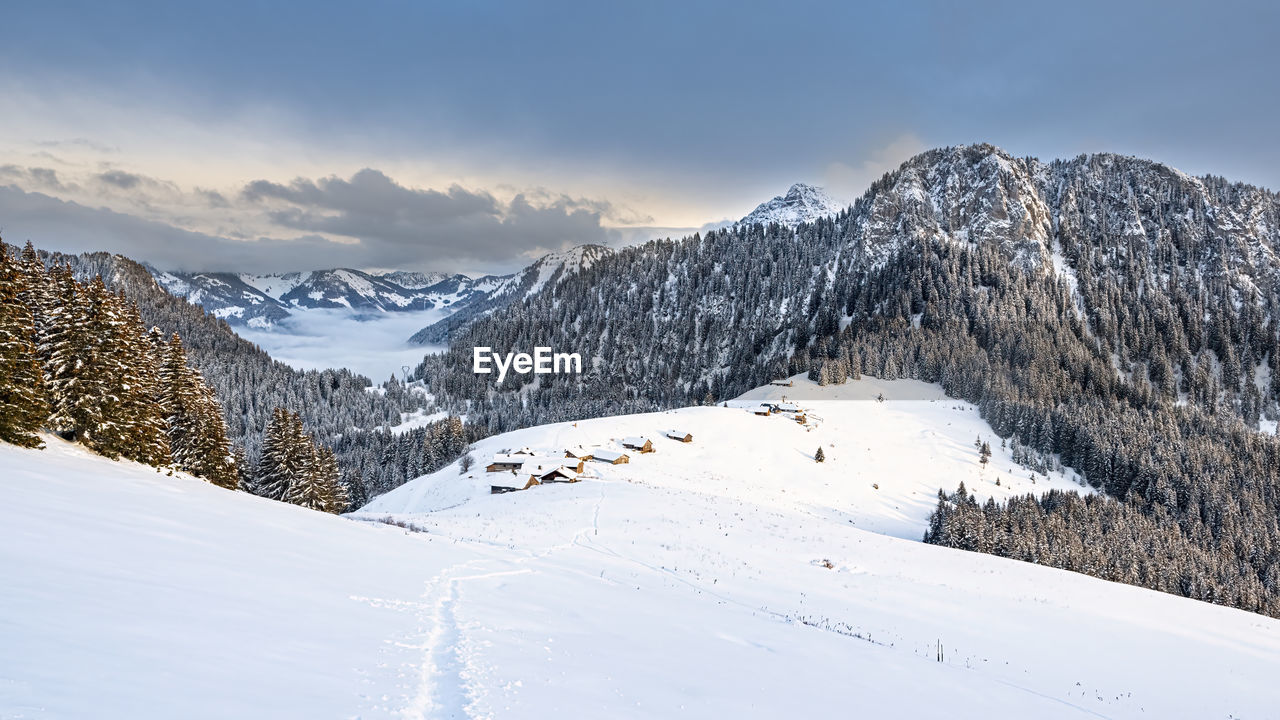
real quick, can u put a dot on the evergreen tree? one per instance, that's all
(196, 429)
(819, 456)
(22, 400)
(66, 349)
(284, 458)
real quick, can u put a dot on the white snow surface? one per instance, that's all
(728, 577)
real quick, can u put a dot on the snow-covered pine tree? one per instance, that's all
(66, 350)
(22, 404)
(121, 370)
(306, 488)
(196, 428)
(336, 496)
(280, 462)
(319, 486)
(143, 423)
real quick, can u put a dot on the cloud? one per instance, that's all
(80, 144)
(366, 220)
(399, 226)
(39, 177)
(54, 224)
(121, 179)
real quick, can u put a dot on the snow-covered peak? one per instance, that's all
(802, 203)
(409, 279)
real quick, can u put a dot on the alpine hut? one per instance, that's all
(612, 457)
(639, 444)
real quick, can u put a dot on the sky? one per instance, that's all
(475, 136)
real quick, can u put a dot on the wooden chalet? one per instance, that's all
(786, 408)
(781, 383)
(764, 410)
(535, 466)
(612, 457)
(680, 435)
(639, 444)
(578, 453)
(516, 482)
(503, 462)
(559, 474)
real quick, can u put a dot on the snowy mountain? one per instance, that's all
(1106, 310)
(410, 279)
(265, 300)
(801, 204)
(548, 271)
(645, 590)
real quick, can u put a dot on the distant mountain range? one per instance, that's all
(262, 301)
(266, 301)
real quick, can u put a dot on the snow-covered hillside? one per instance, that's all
(910, 445)
(728, 577)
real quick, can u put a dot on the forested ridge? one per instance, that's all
(1108, 313)
(341, 412)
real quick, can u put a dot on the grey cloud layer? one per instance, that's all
(366, 220)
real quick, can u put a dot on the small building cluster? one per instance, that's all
(526, 467)
(794, 411)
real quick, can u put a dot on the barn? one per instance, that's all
(781, 383)
(503, 462)
(535, 466)
(680, 435)
(578, 453)
(764, 410)
(517, 482)
(639, 444)
(560, 474)
(612, 457)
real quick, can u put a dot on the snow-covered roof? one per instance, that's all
(788, 407)
(508, 459)
(568, 472)
(535, 466)
(579, 452)
(514, 480)
(608, 455)
(634, 441)
(678, 434)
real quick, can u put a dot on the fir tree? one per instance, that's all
(22, 401)
(196, 429)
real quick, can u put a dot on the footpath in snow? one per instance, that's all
(727, 577)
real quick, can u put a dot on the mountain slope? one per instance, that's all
(548, 271)
(916, 441)
(226, 296)
(1111, 311)
(147, 595)
(336, 405)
